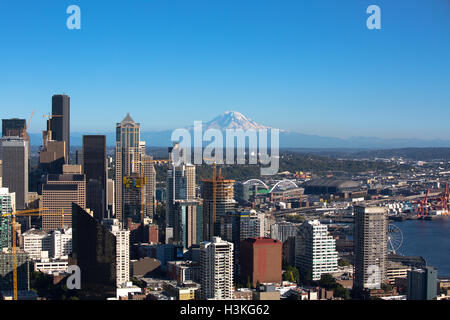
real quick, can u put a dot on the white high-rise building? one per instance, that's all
(315, 249)
(216, 269)
(122, 251)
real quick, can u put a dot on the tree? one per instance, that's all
(341, 292)
(327, 281)
(291, 274)
(343, 263)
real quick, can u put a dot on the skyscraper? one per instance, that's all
(60, 122)
(122, 251)
(58, 194)
(370, 243)
(224, 203)
(94, 251)
(150, 186)
(94, 168)
(316, 250)
(180, 186)
(15, 168)
(185, 228)
(128, 157)
(216, 269)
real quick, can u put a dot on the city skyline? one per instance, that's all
(170, 65)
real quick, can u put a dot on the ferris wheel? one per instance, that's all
(394, 238)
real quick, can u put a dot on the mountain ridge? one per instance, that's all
(288, 139)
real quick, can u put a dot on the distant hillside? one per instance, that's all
(418, 154)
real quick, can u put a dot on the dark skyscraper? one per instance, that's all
(13, 127)
(94, 251)
(15, 155)
(94, 167)
(60, 123)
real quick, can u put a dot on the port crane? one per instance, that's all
(437, 202)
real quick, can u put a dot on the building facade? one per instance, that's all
(315, 250)
(216, 269)
(58, 194)
(95, 170)
(422, 284)
(60, 122)
(370, 243)
(261, 260)
(15, 153)
(224, 194)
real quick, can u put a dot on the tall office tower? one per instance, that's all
(180, 186)
(224, 203)
(150, 186)
(421, 284)
(94, 251)
(185, 228)
(6, 271)
(128, 157)
(370, 246)
(15, 168)
(58, 193)
(316, 250)
(122, 251)
(60, 122)
(7, 205)
(261, 260)
(94, 168)
(216, 269)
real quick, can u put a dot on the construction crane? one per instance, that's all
(143, 182)
(25, 132)
(50, 117)
(23, 213)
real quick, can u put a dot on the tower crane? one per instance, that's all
(22, 213)
(50, 117)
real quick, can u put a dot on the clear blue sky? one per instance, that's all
(309, 66)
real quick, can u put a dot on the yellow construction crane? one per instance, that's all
(144, 180)
(25, 132)
(50, 117)
(23, 213)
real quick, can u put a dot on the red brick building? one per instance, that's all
(261, 260)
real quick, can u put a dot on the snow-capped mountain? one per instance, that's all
(233, 120)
